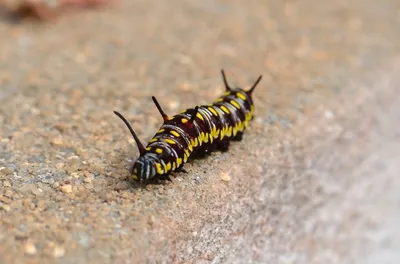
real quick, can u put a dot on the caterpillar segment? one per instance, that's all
(195, 132)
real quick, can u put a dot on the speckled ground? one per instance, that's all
(315, 179)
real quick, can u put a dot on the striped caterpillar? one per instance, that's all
(194, 132)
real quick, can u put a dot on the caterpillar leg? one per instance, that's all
(223, 146)
(238, 137)
(200, 154)
(165, 177)
(210, 148)
(204, 152)
(181, 169)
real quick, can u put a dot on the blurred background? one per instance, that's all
(314, 180)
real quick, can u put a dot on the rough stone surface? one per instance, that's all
(315, 179)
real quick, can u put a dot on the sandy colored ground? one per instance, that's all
(315, 180)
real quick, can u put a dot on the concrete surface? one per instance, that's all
(315, 179)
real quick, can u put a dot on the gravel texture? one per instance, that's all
(315, 179)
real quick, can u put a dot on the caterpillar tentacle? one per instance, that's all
(194, 132)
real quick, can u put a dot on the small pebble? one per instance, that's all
(185, 87)
(27, 204)
(66, 188)
(60, 165)
(173, 105)
(89, 186)
(5, 171)
(328, 114)
(75, 175)
(225, 177)
(58, 252)
(57, 142)
(123, 185)
(28, 187)
(86, 173)
(74, 161)
(152, 220)
(6, 207)
(5, 140)
(5, 199)
(84, 240)
(9, 194)
(37, 191)
(87, 180)
(40, 204)
(6, 184)
(30, 248)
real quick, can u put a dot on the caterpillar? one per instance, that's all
(195, 132)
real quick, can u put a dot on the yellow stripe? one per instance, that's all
(235, 130)
(159, 150)
(194, 142)
(211, 136)
(159, 169)
(134, 175)
(199, 116)
(201, 137)
(241, 96)
(224, 109)
(248, 117)
(161, 130)
(168, 166)
(148, 148)
(229, 131)
(179, 161)
(184, 120)
(216, 133)
(235, 104)
(213, 111)
(169, 141)
(153, 140)
(222, 133)
(176, 134)
(205, 139)
(220, 99)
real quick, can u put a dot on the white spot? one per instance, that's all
(328, 114)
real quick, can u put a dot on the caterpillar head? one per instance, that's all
(244, 95)
(144, 168)
(240, 90)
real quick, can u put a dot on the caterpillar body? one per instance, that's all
(194, 132)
